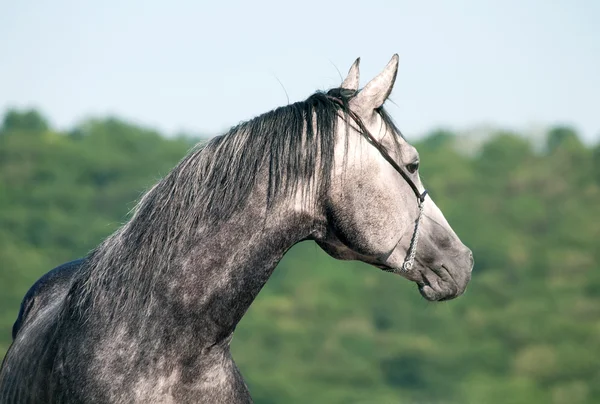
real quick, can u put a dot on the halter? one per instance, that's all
(409, 260)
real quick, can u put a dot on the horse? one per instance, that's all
(148, 315)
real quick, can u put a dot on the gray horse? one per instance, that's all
(148, 315)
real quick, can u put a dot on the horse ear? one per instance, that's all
(374, 94)
(351, 81)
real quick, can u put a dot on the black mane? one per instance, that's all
(293, 143)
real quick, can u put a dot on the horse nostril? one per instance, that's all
(471, 259)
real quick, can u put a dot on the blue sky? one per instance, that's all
(202, 66)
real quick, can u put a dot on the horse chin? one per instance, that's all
(435, 295)
(434, 285)
(438, 285)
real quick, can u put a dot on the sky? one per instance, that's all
(202, 66)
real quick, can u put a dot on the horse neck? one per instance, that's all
(222, 272)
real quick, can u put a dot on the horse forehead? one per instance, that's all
(407, 150)
(395, 142)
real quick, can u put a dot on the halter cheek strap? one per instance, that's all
(409, 261)
(420, 196)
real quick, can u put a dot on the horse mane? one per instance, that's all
(292, 143)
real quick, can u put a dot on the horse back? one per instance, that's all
(54, 284)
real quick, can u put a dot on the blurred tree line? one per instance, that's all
(324, 331)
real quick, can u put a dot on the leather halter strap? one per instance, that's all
(412, 249)
(420, 196)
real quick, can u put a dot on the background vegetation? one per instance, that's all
(526, 331)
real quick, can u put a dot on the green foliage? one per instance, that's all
(26, 122)
(327, 331)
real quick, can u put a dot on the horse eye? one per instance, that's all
(413, 167)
